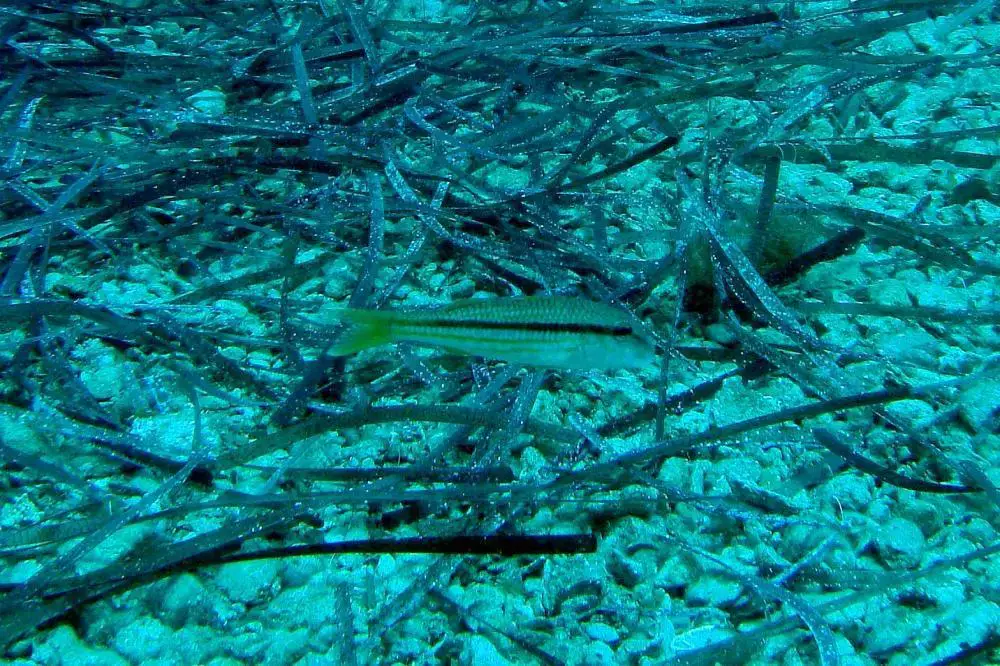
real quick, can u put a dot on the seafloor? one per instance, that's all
(798, 201)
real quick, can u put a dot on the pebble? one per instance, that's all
(602, 632)
(479, 651)
(900, 543)
(63, 646)
(247, 582)
(713, 591)
(143, 639)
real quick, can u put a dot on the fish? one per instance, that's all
(559, 332)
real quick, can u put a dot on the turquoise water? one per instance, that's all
(796, 203)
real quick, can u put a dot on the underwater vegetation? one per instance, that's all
(204, 206)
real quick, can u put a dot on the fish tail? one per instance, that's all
(369, 328)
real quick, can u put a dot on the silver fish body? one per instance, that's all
(538, 331)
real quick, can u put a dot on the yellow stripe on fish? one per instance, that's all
(539, 331)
